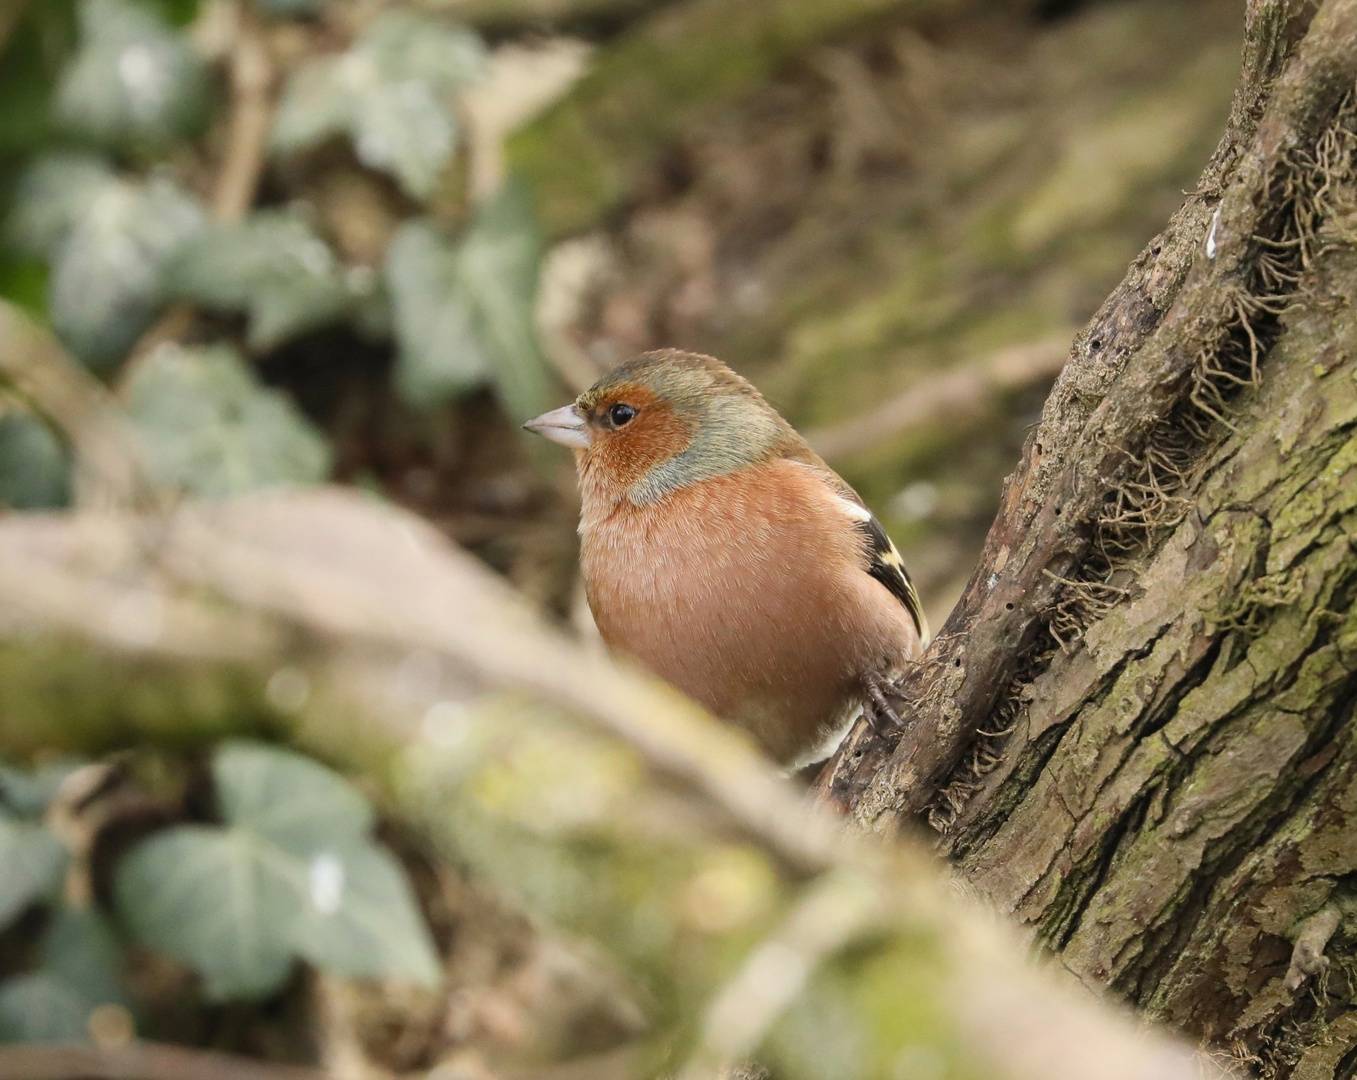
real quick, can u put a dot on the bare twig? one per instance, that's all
(138, 1061)
(242, 164)
(107, 468)
(839, 909)
(965, 390)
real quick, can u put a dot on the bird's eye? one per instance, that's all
(621, 414)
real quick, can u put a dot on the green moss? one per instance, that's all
(584, 157)
(60, 695)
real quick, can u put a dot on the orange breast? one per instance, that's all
(749, 593)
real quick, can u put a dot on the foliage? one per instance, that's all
(463, 309)
(303, 878)
(272, 266)
(112, 218)
(133, 80)
(389, 95)
(293, 853)
(38, 476)
(210, 429)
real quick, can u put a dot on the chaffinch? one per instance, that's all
(723, 554)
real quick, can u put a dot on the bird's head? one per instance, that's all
(664, 420)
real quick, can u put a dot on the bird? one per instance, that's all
(721, 553)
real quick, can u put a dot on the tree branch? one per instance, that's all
(107, 465)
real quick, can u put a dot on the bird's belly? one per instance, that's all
(747, 622)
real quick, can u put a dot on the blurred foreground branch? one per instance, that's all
(107, 473)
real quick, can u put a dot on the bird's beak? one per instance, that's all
(565, 426)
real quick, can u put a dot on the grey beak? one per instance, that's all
(565, 426)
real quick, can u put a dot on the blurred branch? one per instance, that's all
(107, 470)
(357, 578)
(243, 158)
(500, 13)
(838, 910)
(139, 1061)
(965, 390)
(252, 78)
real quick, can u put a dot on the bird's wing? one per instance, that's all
(885, 563)
(889, 569)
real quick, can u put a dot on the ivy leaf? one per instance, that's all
(390, 94)
(295, 802)
(33, 861)
(464, 312)
(223, 901)
(499, 261)
(106, 281)
(35, 465)
(52, 195)
(360, 918)
(272, 265)
(28, 792)
(211, 429)
(134, 78)
(441, 355)
(299, 875)
(80, 959)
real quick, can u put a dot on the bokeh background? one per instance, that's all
(447, 215)
(300, 241)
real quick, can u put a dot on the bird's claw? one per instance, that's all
(879, 712)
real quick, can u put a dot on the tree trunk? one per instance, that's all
(1134, 732)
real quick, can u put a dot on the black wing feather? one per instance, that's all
(889, 569)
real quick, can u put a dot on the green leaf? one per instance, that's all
(499, 264)
(212, 430)
(293, 873)
(464, 312)
(134, 78)
(32, 862)
(82, 951)
(29, 792)
(441, 355)
(35, 464)
(361, 920)
(405, 129)
(39, 1007)
(295, 802)
(224, 901)
(52, 196)
(390, 93)
(272, 265)
(106, 283)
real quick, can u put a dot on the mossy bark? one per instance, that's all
(1135, 733)
(1180, 790)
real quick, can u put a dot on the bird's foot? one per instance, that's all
(879, 712)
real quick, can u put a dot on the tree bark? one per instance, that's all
(1134, 731)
